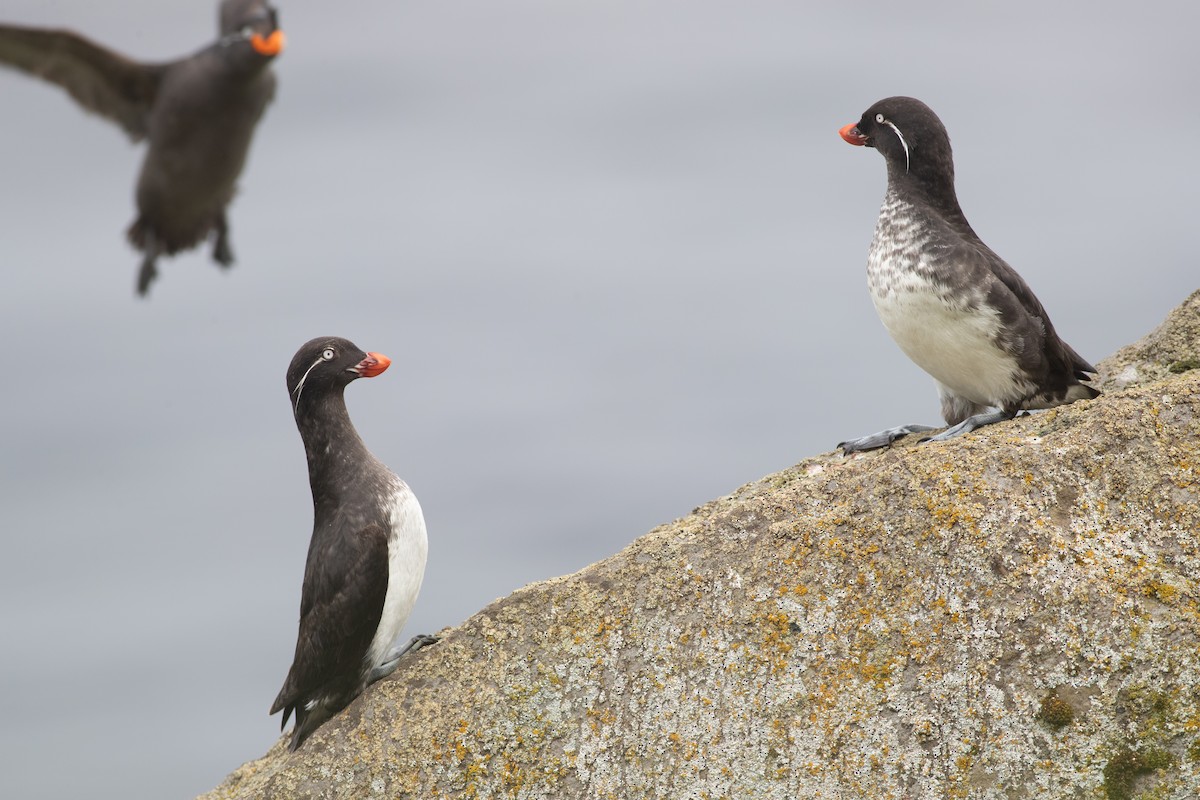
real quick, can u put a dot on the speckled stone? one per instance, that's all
(881, 626)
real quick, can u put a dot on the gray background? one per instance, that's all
(616, 252)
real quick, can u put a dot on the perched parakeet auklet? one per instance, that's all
(954, 306)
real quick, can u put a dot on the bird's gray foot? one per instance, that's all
(222, 253)
(148, 271)
(881, 439)
(392, 659)
(970, 424)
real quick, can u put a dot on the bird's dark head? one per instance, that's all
(909, 136)
(327, 365)
(255, 21)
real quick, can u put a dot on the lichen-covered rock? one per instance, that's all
(1172, 348)
(1011, 614)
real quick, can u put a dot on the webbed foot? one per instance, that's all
(148, 271)
(881, 439)
(970, 424)
(392, 659)
(222, 252)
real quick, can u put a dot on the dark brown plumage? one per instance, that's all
(955, 307)
(197, 114)
(366, 558)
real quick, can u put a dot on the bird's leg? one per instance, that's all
(392, 659)
(881, 439)
(148, 272)
(971, 423)
(222, 253)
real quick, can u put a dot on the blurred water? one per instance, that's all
(616, 252)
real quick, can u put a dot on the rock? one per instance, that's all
(1172, 348)
(1010, 614)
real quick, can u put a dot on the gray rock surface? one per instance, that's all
(1010, 614)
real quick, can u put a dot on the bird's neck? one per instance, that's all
(333, 447)
(932, 190)
(239, 61)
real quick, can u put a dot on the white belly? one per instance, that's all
(949, 333)
(954, 345)
(407, 551)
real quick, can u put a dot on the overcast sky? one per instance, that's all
(616, 250)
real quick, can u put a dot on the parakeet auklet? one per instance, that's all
(954, 306)
(198, 114)
(367, 554)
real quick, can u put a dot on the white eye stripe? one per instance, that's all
(304, 377)
(899, 135)
(239, 36)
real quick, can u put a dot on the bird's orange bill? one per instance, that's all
(373, 364)
(271, 45)
(850, 134)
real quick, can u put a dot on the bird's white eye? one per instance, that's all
(328, 354)
(879, 118)
(246, 30)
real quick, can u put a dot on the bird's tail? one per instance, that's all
(1081, 391)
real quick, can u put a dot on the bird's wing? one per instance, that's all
(340, 608)
(1012, 297)
(100, 80)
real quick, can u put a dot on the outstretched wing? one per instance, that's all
(344, 587)
(103, 82)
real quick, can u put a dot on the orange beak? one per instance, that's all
(851, 135)
(372, 365)
(271, 45)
